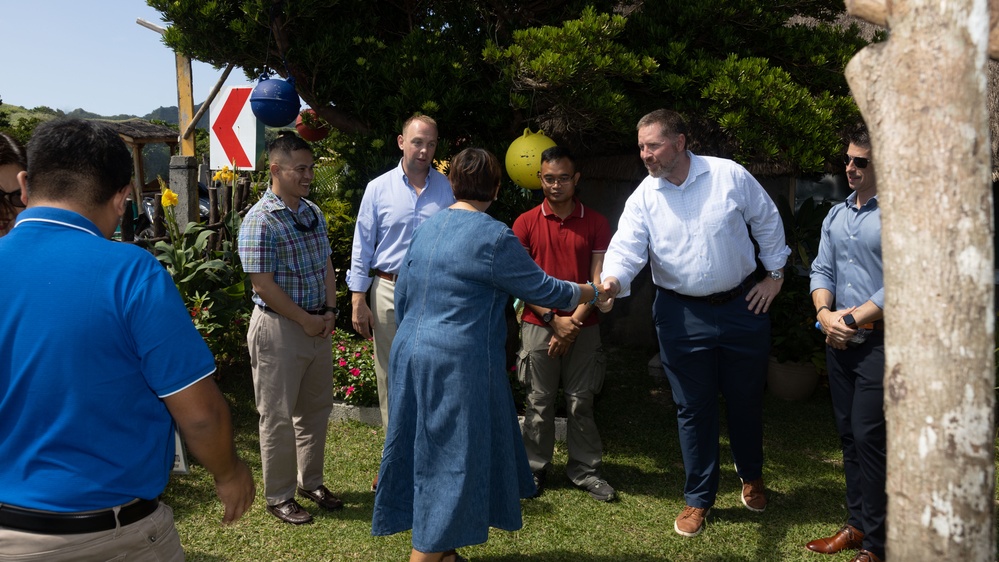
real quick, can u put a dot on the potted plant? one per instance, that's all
(797, 352)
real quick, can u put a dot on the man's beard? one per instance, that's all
(660, 170)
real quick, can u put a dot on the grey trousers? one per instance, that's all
(293, 387)
(581, 373)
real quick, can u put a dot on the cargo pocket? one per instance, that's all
(523, 364)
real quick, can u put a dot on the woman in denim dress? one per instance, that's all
(454, 463)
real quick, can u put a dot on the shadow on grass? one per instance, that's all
(642, 461)
(562, 555)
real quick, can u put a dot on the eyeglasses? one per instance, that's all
(857, 161)
(13, 198)
(313, 222)
(552, 180)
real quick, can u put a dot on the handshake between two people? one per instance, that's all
(608, 291)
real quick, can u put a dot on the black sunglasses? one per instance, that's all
(857, 161)
(13, 198)
(313, 223)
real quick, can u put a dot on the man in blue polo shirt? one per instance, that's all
(98, 359)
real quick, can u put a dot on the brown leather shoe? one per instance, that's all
(865, 556)
(754, 495)
(690, 522)
(323, 498)
(848, 537)
(290, 512)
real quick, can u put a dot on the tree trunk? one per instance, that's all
(923, 95)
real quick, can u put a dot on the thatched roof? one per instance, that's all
(140, 132)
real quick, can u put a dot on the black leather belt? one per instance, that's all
(387, 276)
(717, 298)
(319, 312)
(52, 523)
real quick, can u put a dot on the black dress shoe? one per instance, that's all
(540, 477)
(290, 512)
(323, 498)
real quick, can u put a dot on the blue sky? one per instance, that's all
(68, 54)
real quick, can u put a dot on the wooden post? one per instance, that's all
(185, 103)
(139, 175)
(184, 182)
(923, 95)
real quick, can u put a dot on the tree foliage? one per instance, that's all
(761, 81)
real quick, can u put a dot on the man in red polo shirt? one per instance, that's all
(568, 241)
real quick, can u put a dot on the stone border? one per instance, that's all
(370, 415)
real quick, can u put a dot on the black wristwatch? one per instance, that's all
(849, 321)
(333, 309)
(548, 316)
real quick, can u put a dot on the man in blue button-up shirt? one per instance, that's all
(393, 205)
(848, 293)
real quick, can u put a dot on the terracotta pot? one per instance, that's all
(792, 381)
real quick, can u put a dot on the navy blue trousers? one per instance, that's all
(708, 349)
(856, 382)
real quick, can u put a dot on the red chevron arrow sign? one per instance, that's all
(233, 138)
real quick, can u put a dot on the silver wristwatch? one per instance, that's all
(777, 274)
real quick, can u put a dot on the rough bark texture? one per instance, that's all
(923, 95)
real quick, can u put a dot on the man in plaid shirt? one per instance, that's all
(285, 250)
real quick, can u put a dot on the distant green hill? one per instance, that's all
(21, 122)
(43, 113)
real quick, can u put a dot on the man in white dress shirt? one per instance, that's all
(691, 218)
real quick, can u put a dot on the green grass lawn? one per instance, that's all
(642, 461)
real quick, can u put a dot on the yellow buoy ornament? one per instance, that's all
(523, 158)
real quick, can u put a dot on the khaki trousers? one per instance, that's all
(383, 312)
(151, 539)
(293, 388)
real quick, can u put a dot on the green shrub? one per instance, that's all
(211, 282)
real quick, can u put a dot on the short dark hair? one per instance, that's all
(474, 174)
(558, 153)
(11, 152)
(859, 136)
(671, 122)
(79, 160)
(286, 143)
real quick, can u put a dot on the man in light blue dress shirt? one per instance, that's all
(393, 205)
(849, 297)
(691, 220)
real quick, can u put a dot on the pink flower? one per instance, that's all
(357, 354)
(350, 390)
(341, 348)
(355, 372)
(343, 362)
(513, 368)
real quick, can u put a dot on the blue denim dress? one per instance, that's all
(454, 462)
